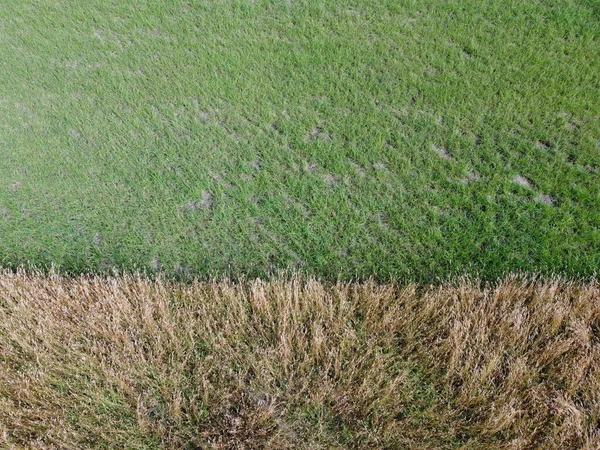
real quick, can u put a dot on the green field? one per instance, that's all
(345, 138)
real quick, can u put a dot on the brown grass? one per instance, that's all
(126, 362)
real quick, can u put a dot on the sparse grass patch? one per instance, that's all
(125, 362)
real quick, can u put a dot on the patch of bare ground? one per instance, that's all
(542, 145)
(293, 203)
(319, 133)
(471, 177)
(442, 151)
(591, 169)
(311, 167)
(545, 199)
(76, 134)
(569, 121)
(380, 166)
(15, 186)
(381, 219)
(155, 264)
(126, 362)
(331, 180)
(360, 170)
(204, 203)
(522, 181)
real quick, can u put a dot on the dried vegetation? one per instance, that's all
(126, 362)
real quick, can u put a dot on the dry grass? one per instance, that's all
(130, 363)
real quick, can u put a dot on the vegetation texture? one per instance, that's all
(398, 139)
(131, 363)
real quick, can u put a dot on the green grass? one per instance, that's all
(343, 138)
